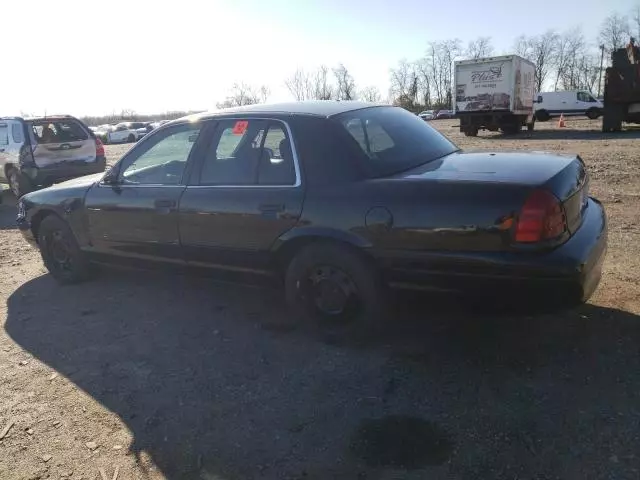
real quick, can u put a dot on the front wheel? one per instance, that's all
(337, 289)
(60, 251)
(542, 116)
(131, 138)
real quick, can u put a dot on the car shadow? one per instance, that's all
(213, 384)
(7, 210)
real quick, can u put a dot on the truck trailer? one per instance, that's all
(494, 93)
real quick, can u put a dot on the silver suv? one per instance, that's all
(37, 152)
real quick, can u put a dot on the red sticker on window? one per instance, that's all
(240, 127)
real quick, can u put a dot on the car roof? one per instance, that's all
(321, 108)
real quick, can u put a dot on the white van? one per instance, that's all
(570, 103)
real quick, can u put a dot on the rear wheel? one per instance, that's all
(335, 290)
(131, 138)
(471, 131)
(18, 182)
(60, 251)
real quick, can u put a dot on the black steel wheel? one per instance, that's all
(60, 251)
(334, 287)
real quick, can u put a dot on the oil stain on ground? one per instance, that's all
(401, 442)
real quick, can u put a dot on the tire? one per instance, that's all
(335, 290)
(19, 184)
(131, 138)
(60, 251)
(542, 116)
(593, 113)
(471, 131)
(511, 129)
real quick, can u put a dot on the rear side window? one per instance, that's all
(4, 134)
(17, 133)
(234, 153)
(392, 139)
(276, 161)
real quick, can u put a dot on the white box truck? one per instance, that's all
(494, 93)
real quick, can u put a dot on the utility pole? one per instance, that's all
(601, 62)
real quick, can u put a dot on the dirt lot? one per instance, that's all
(158, 376)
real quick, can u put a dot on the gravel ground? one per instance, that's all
(156, 376)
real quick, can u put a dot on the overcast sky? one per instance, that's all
(97, 57)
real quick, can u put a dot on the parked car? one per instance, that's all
(427, 115)
(570, 103)
(445, 114)
(141, 128)
(119, 133)
(338, 200)
(37, 152)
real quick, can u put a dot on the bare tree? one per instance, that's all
(345, 84)
(322, 88)
(541, 50)
(264, 93)
(371, 94)
(402, 79)
(570, 47)
(299, 85)
(243, 94)
(479, 48)
(615, 32)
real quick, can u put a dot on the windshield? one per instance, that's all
(393, 139)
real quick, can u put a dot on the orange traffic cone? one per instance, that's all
(561, 121)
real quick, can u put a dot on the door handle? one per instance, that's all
(164, 203)
(271, 208)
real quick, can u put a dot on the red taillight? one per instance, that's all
(99, 148)
(541, 218)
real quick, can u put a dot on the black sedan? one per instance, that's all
(338, 200)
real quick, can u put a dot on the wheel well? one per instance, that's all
(286, 252)
(37, 220)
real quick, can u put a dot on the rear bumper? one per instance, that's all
(568, 274)
(65, 171)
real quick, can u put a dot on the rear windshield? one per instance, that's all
(58, 131)
(393, 139)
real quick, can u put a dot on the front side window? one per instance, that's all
(392, 139)
(164, 161)
(585, 97)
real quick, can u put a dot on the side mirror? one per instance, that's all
(111, 177)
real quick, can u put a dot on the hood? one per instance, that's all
(525, 168)
(85, 181)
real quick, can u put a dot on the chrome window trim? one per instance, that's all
(294, 152)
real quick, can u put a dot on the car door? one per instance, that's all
(134, 211)
(245, 193)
